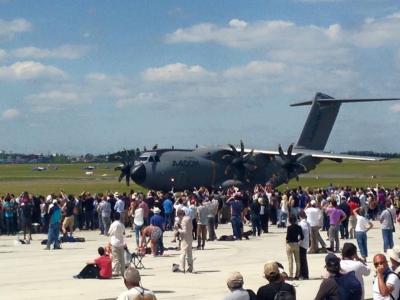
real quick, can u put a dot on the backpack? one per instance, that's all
(252, 295)
(385, 277)
(349, 288)
(284, 295)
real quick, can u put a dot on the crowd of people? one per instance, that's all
(341, 212)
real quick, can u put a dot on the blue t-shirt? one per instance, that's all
(158, 221)
(236, 208)
(168, 206)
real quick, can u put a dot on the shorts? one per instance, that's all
(156, 234)
(69, 222)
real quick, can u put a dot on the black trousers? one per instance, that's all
(89, 271)
(303, 263)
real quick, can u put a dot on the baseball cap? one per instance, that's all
(331, 260)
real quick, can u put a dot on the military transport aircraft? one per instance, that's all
(222, 167)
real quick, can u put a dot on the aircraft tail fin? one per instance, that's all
(322, 117)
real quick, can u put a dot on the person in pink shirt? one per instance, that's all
(336, 217)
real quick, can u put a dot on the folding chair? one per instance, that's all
(136, 260)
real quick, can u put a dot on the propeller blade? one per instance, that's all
(290, 149)
(120, 177)
(233, 149)
(127, 180)
(281, 153)
(241, 148)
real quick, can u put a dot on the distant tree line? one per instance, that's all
(372, 153)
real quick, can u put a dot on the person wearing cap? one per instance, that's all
(54, 226)
(236, 290)
(352, 262)
(276, 283)
(394, 256)
(314, 218)
(159, 221)
(336, 285)
(386, 284)
(135, 290)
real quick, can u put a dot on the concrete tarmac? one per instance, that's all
(30, 272)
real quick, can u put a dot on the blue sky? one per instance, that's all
(97, 76)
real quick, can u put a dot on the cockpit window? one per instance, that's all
(143, 158)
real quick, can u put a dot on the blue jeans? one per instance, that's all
(52, 237)
(137, 233)
(236, 227)
(387, 235)
(169, 217)
(361, 237)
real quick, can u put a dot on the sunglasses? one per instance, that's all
(380, 263)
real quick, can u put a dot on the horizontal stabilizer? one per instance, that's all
(342, 101)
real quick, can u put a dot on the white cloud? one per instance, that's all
(176, 73)
(237, 23)
(9, 28)
(141, 98)
(289, 42)
(378, 32)
(54, 100)
(255, 69)
(65, 51)
(10, 114)
(29, 70)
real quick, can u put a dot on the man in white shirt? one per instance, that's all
(352, 262)
(314, 218)
(386, 283)
(116, 233)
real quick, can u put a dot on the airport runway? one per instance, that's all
(29, 272)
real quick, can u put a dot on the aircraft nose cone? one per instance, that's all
(138, 174)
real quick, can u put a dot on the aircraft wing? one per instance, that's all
(321, 154)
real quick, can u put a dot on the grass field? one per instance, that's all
(72, 179)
